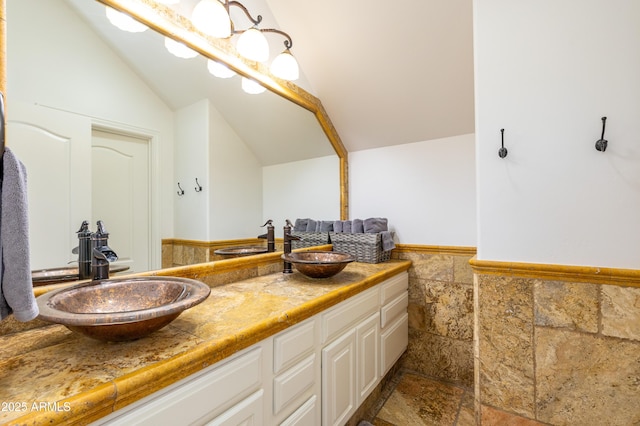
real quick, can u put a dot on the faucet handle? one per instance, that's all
(101, 229)
(268, 223)
(289, 224)
(84, 228)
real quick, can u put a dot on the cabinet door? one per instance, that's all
(339, 379)
(368, 361)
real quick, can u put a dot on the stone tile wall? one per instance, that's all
(440, 313)
(560, 353)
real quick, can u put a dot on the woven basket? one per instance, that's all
(310, 239)
(365, 247)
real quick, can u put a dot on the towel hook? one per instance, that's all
(502, 152)
(199, 187)
(601, 144)
(181, 191)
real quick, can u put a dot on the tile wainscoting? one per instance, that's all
(178, 252)
(440, 312)
(558, 345)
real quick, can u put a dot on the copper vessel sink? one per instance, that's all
(121, 309)
(319, 264)
(240, 251)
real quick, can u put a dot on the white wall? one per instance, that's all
(302, 189)
(235, 184)
(425, 189)
(546, 72)
(191, 155)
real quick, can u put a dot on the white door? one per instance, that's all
(121, 195)
(54, 146)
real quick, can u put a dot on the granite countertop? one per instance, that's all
(51, 375)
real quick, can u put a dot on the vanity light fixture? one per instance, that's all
(208, 17)
(178, 49)
(219, 70)
(252, 87)
(124, 22)
(212, 18)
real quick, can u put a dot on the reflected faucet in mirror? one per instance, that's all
(286, 267)
(270, 236)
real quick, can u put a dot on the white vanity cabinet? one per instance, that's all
(316, 372)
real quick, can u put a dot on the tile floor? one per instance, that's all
(410, 399)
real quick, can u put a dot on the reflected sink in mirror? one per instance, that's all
(121, 309)
(69, 273)
(319, 264)
(229, 252)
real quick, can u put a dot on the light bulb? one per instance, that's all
(219, 70)
(253, 45)
(124, 22)
(178, 49)
(211, 17)
(252, 87)
(285, 66)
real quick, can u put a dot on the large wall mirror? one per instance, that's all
(111, 126)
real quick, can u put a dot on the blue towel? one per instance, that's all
(337, 226)
(357, 226)
(346, 226)
(375, 224)
(16, 287)
(312, 226)
(300, 225)
(387, 241)
(326, 226)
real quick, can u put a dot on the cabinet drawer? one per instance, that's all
(394, 342)
(293, 344)
(247, 412)
(293, 382)
(201, 398)
(348, 313)
(393, 287)
(305, 415)
(393, 309)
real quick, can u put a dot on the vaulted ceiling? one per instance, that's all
(387, 72)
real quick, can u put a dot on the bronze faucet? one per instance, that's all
(286, 269)
(269, 236)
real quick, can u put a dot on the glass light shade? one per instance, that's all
(219, 70)
(178, 49)
(210, 17)
(252, 87)
(253, 45)
(285, 66)
(124, 22)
